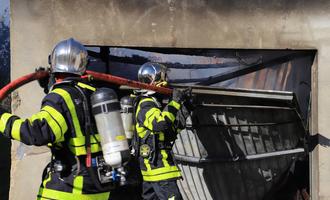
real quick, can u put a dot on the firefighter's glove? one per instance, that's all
(181, 95)
(43, 82)
(181, 118)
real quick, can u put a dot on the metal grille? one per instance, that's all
(236, 147)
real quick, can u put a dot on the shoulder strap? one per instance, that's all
(135, 139)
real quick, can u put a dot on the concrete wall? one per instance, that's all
(36, 25)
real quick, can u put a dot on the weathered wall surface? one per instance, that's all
(36, 25)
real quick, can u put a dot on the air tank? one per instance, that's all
(106, 110)
(126, 104)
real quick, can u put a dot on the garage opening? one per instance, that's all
(246, 134)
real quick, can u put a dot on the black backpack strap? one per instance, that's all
(135, 139)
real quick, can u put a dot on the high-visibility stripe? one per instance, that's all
(54, 126)
(141, 130)
(158, 171)
(161, 136)
(170, 110)
(139, 106)
(83, 85)
(54, 194)
(146, 163)
(81, 150)
(164, 158)
(150, 116)
(78, 183)
(15, 131)
(175, 104)
(169, 115)
(58, 117)
(47, 180)
(3, 121)
(146, 99)
(160, 177)
(159, 116)
(77, 145)
(80, 141)
(67, 98)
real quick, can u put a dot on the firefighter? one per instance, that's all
(61, 124)
(156, 134)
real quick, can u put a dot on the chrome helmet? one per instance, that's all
(69, 56)
(152, 73)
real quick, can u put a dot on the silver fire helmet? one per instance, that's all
(69, 56)
(152, 73)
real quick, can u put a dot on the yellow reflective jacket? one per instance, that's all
(59, 124)
(151, 122)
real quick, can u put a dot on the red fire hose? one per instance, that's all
(95, 76)
(123, 81)
(21, 81)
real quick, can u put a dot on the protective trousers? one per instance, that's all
(161, 190)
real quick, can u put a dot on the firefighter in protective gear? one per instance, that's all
(60, 124)
(156, 134)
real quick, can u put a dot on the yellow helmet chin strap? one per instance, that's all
(161, 84)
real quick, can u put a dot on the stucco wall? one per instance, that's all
(36, 25)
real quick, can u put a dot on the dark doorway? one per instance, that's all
(263, 173)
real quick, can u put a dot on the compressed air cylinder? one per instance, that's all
(106, 111)
(126, 104)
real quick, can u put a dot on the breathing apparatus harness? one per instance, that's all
(141, 146)
(107, 177)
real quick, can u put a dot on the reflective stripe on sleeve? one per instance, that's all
(15, 131)
(3, 121)
(150, 116)
(58, 117)
(53, 124)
